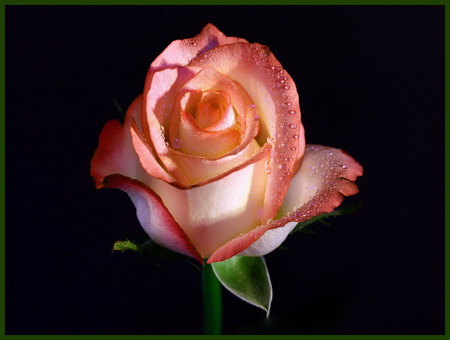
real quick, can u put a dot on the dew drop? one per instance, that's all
(295, 136)
(289, 159)
(267, 167)
(293, 149)
(176, 143)
(289, 104)
(344, 166)
(287, 87)
(292, 112)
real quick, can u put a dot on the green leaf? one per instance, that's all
(322, 217)
(247, 278)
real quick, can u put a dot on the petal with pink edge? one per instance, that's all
(181, 52)
(115, 153)
(325, 176)
(153, 216)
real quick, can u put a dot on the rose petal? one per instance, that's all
(205, 170)
(325, 175)
(270, 241)
(238, 244)
(154, 217)
(146, 156)
(158, 102)
(219, 211)
(274, 93)
(195, 141)
(115, 153)
(181, 52)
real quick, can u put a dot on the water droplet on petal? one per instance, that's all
(267, 167)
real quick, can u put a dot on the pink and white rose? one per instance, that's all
(213, 153)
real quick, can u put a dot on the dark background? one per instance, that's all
(371, 81)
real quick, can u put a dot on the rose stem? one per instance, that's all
(212, 302)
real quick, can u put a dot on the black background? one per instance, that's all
(371, 82)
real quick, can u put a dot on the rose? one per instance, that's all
(213, 155)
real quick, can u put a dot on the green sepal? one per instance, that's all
(248, 278)
(322, 217)
(148, 248)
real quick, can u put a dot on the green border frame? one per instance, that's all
(4, 3)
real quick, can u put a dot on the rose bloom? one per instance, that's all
(213, 153)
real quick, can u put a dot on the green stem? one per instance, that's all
(212, 302)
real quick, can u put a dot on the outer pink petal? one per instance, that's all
(325, 176)
(154, 217)
(274, 93)
(115, 153)
(181, 52)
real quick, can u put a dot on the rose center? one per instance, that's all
(206, 125)
(207, 108)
